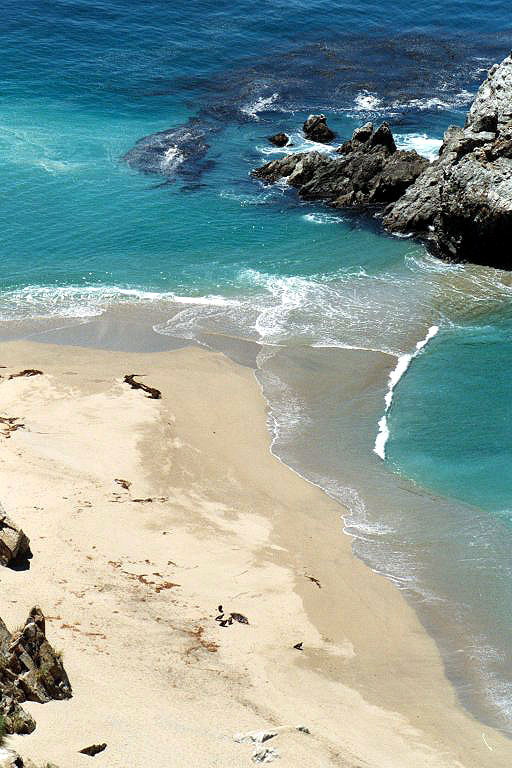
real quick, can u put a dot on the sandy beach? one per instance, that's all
(130, 576)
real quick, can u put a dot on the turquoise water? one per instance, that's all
(451, 420)
(128, 132)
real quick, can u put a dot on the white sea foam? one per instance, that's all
(366, 101)
(423, 144)
(87, 301)
(261, 104)
(172, 158)
(454, 101)
(396, 374)
(297, 143)
(322, 218)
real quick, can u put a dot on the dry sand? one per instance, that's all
(131, 588)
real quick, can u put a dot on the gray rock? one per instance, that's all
(13, 542)
(462, 203)
(316, 129)
(492, 108)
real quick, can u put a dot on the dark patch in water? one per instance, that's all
(402, 73)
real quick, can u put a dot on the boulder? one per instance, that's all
(279, 139)
(13, 542)
(316, 129)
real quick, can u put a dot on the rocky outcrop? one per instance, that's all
(462, 204)
(14, 545)
(316, 129)
(367, 170)
(30, 670)
(279, 139)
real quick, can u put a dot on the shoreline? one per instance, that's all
(376, 689)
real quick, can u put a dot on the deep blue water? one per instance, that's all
(91, 216)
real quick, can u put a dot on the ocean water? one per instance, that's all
(128, 131)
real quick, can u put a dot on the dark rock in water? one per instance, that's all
(279, 139)
(367, 170)
(30, 670)
(316, 129)
(462, 203)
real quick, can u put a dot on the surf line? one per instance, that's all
(396, 374)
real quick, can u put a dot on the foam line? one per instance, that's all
(396, 374)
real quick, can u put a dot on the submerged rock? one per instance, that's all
(30, 670)
(366, 170)
(316, 129)
(279, 139)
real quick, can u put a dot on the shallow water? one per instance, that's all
(174, 232)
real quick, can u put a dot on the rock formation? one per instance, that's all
(279, 139)
(316, 129)
(367, 170)
(30, 670)
(460, 204)
(14, 545)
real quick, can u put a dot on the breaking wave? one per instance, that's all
(396, 374)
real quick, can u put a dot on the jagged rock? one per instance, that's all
(279, 139)
(30, 670)
(363, 133)
(383, 138)
(15, 718)
(14, 543)
(367, 170)
(316, 129)
(462, 203)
